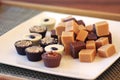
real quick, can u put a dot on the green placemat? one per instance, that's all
(10, 17)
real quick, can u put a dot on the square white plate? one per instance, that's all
(69, 67)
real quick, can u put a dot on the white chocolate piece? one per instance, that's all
(48, 22)
(34, 37)
(59, 48)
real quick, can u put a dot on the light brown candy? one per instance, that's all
(67, 49)
(90, 44)
(72, 26)
(102, 28)
(60, 28)
(107, 50)
(87, 55)
(102, 41)
(67, 38)
(81, 27)
(82, 35)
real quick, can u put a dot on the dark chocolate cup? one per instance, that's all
(21, 50)
(51, 61)
(33, 56)
(42, 33)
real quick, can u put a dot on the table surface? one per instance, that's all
(111, 6)
(11, 16)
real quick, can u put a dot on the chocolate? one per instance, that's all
(51, 59)
(34, 53)
(91, 36)
(69, 18)
(76, 47)
(81, 22)
(53, 34)
(47, 41)
(39, 29)
(109, 37)
(21, 45)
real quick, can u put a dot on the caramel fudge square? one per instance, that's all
(67, 37)
(102, 28)
(87, 55)
(72, 26)
(107, 50)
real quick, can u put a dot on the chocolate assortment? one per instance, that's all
(69, 37)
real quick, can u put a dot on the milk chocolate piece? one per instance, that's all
(51, 59)
(81, 22)
(53, 34)
(87, 55)
(75, 48)
(92, 36)
(107, 50)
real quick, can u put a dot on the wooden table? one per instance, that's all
(109, 9)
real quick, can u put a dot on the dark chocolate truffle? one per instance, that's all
(34, 53)
(39, 29)
(51, 59)
(21, 45)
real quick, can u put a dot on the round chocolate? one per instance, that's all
(34, 53)
(51, 59)
(21, 45)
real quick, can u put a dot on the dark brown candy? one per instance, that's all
(69, 19)
(92, 36)
(80, 22)
(76, 47)
(53, 34)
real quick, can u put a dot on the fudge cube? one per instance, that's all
(106, 50)
(67, 50)
(67, 38)
(82, 35)
(82, 27)
(72, 26)
(92, 36)
(87, 55)
(75, 48)
(101, 41)
(109, 37)
(60, 28)
(90, 44)
(90, 28)
(102, 28)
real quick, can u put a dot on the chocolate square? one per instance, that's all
(76, 47)
(92, 36)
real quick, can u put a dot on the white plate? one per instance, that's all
(69, 67)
